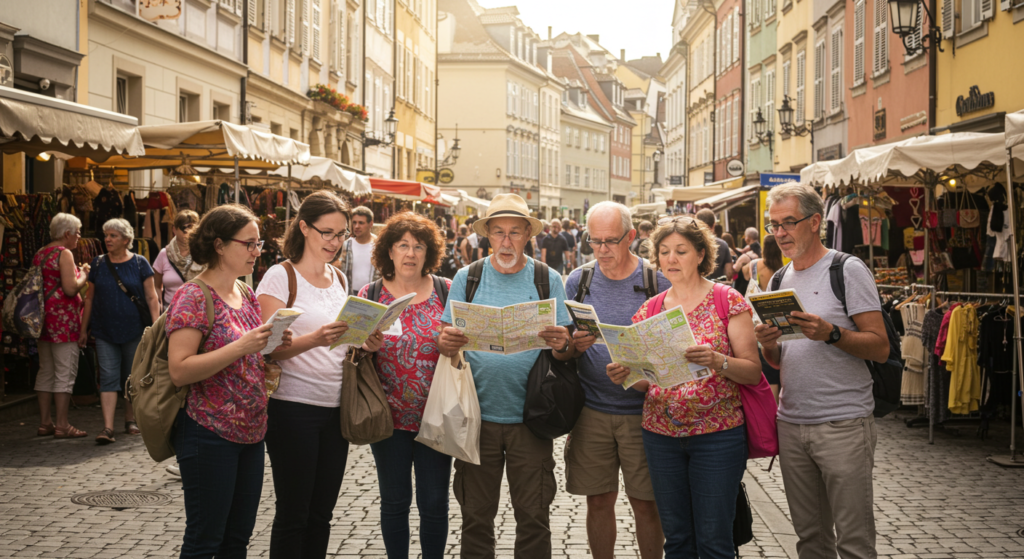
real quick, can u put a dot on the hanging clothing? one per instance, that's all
(937, 382)
(961, 356)
(913, 353)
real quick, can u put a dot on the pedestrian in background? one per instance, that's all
(218, 435)
(354, 259)
(120, 303)
(174, 266)
(307, 452)
(757, 276)
(723, 263)
(693, 433)
(570, 241)
(555, 252)
(58, 344)
(641, 245)
(408, 251)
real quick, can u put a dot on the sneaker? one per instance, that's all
(173, 469)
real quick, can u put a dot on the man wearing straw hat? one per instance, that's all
(507, 278)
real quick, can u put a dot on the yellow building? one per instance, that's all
(641, 100)
(415, 90)
(294, 46)
(698, 34)
(796, 59)
(976, 82)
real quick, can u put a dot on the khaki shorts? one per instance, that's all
(599, 445)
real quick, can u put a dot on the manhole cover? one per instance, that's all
(1020, 532)
(120, 500)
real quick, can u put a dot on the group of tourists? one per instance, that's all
(681, 451)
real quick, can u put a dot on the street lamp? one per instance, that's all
(453, 152)
(786, 120)
(654, 183)
(764, 136)
(387, 138)
(905, 16)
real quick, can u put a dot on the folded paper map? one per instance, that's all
(655, 349)
(281, 320)
(504, 330)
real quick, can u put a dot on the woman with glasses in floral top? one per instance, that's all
(218, 436)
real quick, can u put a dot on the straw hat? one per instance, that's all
(507, 205)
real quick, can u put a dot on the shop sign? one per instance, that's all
(426, 177)
(481, 193)
(772, 179)
(675, 180)
(879, 124)
(975, 101)
(6, 71)
(734, 168)
(154, 10)
(445, 176)
(709, 176)
(830, 153)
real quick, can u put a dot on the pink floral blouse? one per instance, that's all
(233, 402)
(63, 314)
(707, 405)
(405, 364)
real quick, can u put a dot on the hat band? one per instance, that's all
(507, 212)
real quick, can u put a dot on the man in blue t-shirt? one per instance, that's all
(608, 436)
(506, 445)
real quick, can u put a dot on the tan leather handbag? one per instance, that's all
(365, 413)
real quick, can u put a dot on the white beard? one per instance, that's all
(505, 263)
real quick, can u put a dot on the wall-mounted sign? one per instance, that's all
(879, 126)
(6, 71)
(772, 179)
(426, 177)
(734, 168)
(675, 180)
(975, 101)
(154, 10)
(482, 193)
(709, 176)
(445, 176)
(830, 153)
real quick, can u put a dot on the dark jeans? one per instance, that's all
(222, 481)
(307, 459)
(396, 457)
(696, 480)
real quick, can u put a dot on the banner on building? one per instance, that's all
(773, 179)
(154, 10)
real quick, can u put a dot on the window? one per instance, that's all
(337, 33)
(353, 49)
(836, 84)
(568, 175)
(819, 79)
(221, 111)
(122, 95)
(409, 69)
(769, 99)
(316, 29)
(188, 107)
(576, 175)
(576, 137)
(914, 39)
(586, 140)
(881, 37)
(769, 8)
(515, 99)
(735, 34)
(858, 42)
(755, 83)
(400, 73)
(586, 177)
(736, 127)
(785, 77)
(801, 73)
(583, 100)
(568, 136)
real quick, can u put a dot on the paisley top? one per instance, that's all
(707, 405)
(233, 402)
(406, 363)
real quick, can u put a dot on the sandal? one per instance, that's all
(131, 428)
(45, 430)
(105, 437)
(71, 432)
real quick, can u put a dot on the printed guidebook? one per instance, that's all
(774, 308)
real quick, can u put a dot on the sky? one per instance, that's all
(642, 27)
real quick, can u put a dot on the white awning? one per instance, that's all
(328, 170)
(1015, 134)
(644, 209)
(729, 195)
(695, 193)
(35, 124)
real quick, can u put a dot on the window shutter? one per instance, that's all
(819, 83)
(914, 39)
(1004, 5)
(304, 23)
(769, 102)
(881, 56)
(837, 68)
(801, 81)
(289, 21)
(316, 29)
(250, 17)
(858, 42)
(238, 7)
(986, 10)
(948, 19)
(785, 77)
(735, 34)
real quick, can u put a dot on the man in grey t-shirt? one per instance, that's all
(826, 428)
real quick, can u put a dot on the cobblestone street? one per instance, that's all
(941, 501)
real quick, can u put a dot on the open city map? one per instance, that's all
(655, 349)
(504, 330)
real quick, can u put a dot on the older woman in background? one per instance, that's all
(408, 250)
(58, 345)
(123, 281)
(174, 266)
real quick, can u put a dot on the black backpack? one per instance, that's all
(649, 275)
(888, 376)
(440, 287)
(554, 395)
(449, 266)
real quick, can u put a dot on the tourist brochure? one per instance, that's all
(504, 330)
(364, 317)
(774, 308)
(281, 320)
(655, 349)
(584, 317)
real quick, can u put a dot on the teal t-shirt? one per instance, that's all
(501, 379)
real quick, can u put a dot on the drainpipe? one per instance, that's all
(932, 62)
(245, 60)
(362, 72)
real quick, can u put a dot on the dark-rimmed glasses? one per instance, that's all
(250, 246)
(598, 244)
(329, 236)
(689, 220)
(786, 226)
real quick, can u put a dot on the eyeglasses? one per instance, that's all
(786, 226)
(251, 246)
(328, 235)
(608, 242)
(406, 247)
(499, 238)
(689, 220)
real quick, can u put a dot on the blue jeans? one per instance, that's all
(222, 482)
(396, 457)
(696, 480)
(307, 458)
(115, 362)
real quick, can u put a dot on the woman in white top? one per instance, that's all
(307, 451)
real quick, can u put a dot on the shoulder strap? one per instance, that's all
(375, 288)
(476, 270)
(586, 276)
(209, 310)
(540, 279)
(441, 288)
(837, 277)
(753, 270)
(777, 277)
(293, 285)
(654, 307)
(650, 279)
(721, 296)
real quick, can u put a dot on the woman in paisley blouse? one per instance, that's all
(408, 250)
(218, 436)
(307, 451)
(693, 433)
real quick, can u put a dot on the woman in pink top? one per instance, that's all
(693, 433)
(218, 436)
(58, 346)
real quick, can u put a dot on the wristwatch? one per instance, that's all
(834, 336)
(725, 362)
(566, 348)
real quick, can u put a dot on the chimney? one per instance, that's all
(659, 56)
(596, 38)
(622, 55)
(549, 32)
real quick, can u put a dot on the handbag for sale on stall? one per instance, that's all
(968, 216)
